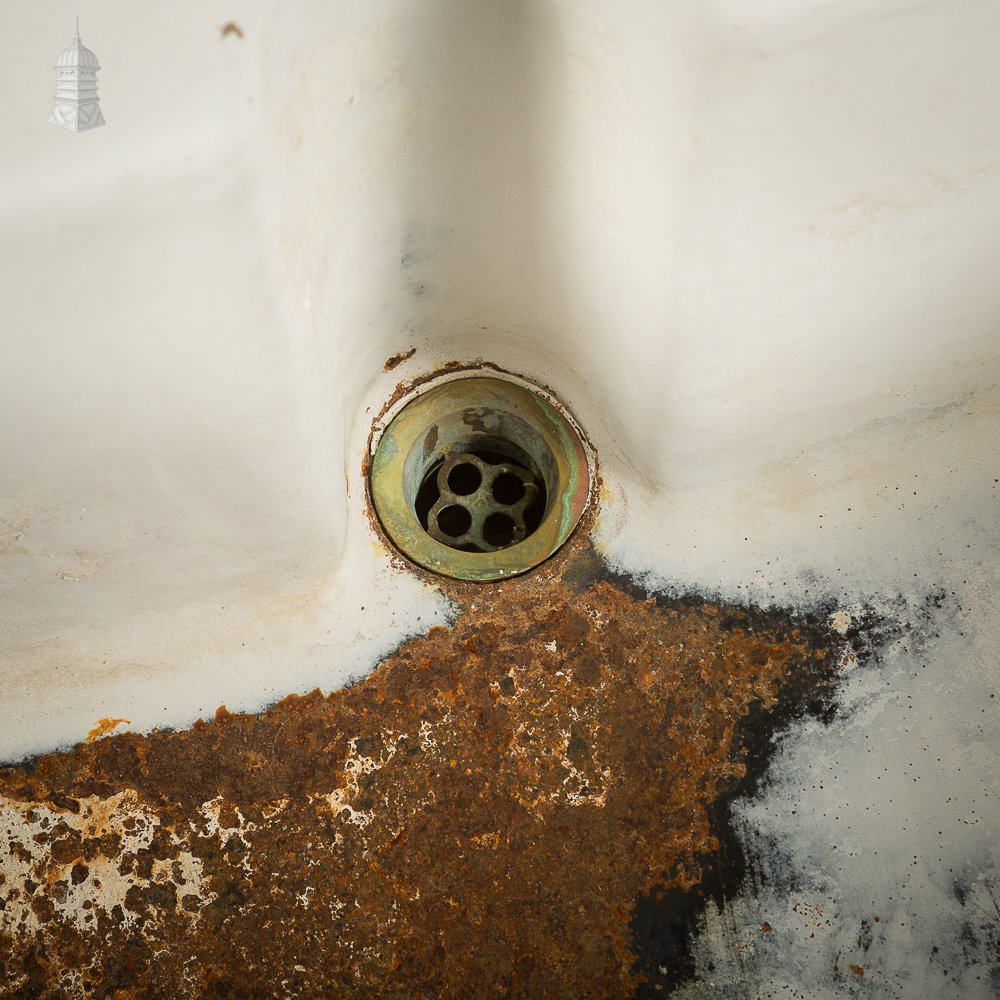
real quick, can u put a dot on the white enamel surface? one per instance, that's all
(753, 246)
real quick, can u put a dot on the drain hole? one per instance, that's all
(535, 511)
(470, 476)
(499, 529)
(507, 488)
(479, 478)
(455, 520)
(427, 495)
(465, 479)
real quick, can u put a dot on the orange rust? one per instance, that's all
(105, 726)
(477, 817)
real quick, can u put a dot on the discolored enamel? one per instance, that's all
(494, 811)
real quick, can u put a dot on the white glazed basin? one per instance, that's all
(754, 247)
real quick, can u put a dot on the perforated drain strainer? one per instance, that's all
(479, 478)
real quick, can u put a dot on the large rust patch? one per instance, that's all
(478, 817)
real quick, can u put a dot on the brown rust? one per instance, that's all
(475, 818)
(397, 359)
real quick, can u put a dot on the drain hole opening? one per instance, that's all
(465, 479)
(507, 488)
(499, 529)
(479, 478)
(428, 494)
(535, 510)
(455, 520)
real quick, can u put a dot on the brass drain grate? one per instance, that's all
(481, 505)
(479, 478)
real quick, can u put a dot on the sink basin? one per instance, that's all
(752, 248)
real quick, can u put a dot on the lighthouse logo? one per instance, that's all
(77, 106)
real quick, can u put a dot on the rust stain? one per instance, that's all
(477, 817)
(858, 970)
(105, 726)
(397, 359)
(232, 28)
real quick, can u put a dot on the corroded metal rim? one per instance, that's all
(459, 417)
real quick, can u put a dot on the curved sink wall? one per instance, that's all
(754, 251)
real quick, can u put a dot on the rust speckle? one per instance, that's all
(104, 727)
(483, 815)
(232, 28)
(397, 359)
(765, 928)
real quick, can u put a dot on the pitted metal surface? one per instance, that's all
(509, 806)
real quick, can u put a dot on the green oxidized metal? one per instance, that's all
(479, 415)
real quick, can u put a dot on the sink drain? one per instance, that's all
(479, 478)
